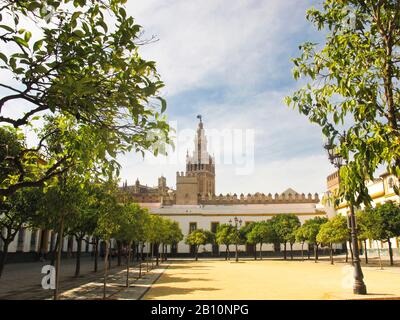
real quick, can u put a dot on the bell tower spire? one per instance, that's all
(201, 164)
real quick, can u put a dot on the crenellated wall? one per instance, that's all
(258, 198)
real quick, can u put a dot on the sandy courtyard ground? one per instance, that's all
(270, 279)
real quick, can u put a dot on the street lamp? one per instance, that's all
(359, 286)
(237, 225)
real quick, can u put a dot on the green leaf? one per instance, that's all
(37, 45)
(21, 41)
(5, 27)
(27, 36)
(3, 57)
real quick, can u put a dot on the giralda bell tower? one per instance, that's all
(201, 164)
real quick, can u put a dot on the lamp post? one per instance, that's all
(359, 286)
(237, 225)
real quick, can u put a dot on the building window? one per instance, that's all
(20, 241)
(33, 240)
(214, 226)
(192, 226)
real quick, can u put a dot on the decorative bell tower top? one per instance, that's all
(200, 154)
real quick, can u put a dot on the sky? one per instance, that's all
(230, 62)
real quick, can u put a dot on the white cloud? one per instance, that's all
(241, 48)
(204, 43)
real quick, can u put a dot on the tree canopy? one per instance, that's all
(352, 84)
(81, 88)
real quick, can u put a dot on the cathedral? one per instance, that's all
(194, 203)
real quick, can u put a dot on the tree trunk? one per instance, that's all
(315, 253)
(147, 259)
(119, 252)
(308, 251)
(291, 251)
(302, 251)
(105, 270)
(196, 252)
(54, 251)
(236, 253)
(226, 252)
(284, 251)
(157, 253)
(78, 257)
(3, 259)
(58, 263)
(331, 252)
(141, 259)
(96, 254)
(261, 251)
(140, 269)
(365, 250)
(347, 252)
(379, 255)
(390, 251)
(152, 256)
(127, 264)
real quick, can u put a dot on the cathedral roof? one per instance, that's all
(290, 191)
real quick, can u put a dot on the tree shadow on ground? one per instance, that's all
(191, 267)
(165, 291)
(171, 279)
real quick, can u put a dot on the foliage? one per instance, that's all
(262, 232)
(109, 210)
(389, 214)
(223, 234)
(17, 210)
(174, 233)
(301, 234)
(85, 82)
(369, 224)
(352, 83)
(285, 225)
(333, 231)
(196, 238)
(131, 220)
(311, 229)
